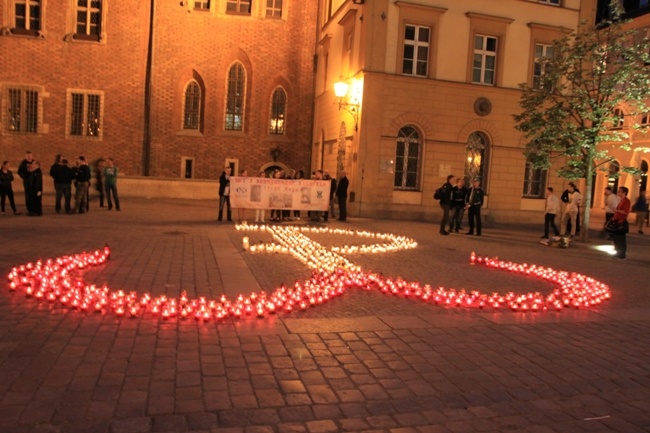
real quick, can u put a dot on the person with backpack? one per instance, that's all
(444, 195)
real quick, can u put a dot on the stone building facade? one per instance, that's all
(433, 86)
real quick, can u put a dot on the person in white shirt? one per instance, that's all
(571, 211)
(611, 202)
(551, 210)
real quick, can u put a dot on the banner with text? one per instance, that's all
(264, 193)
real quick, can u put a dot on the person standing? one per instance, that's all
(571, 211)
(316, 214)
(23, 172)
(110, 183)
(100, 181)
(551, 210)
(300, 174)
(475, 197)
(259, 213)
(63, 176)
(620, 216)
(458, 196)
(6, 190)
(342, 195)
(224, 193)
(241, 212)
(445, 194)
(330, 207)
(611, 202)
(35, 189)
(566, 198)
(641, 209)
(82, 181)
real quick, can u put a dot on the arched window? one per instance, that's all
(192, 109)
(235, 98)
(476, 158)
(278, 111)
(407, 159)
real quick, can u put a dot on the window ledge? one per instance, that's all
(278, 137)
(234, 134)
(190, 133)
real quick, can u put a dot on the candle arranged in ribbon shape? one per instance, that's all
(54, 280)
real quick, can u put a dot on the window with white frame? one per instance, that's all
(274, 8)
(407, 159)
(26, 17)
(278, 112)
(543, 53)
(416, 50)
(88, 20)
(235, 98)
(238, 7)
(534, 181)
(485, 59)
(22, 111)
(550, 2)
(84, 114)
(192, 107)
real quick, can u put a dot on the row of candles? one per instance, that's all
(332, 275)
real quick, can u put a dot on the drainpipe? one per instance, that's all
(146, 142)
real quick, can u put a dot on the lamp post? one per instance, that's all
(341, 91)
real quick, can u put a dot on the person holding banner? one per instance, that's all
(299, 175)
(224, 193)
(241, 212)
(259, 213)
(316, 214)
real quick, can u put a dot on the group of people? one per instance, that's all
(617, 208)
(455, 200)
(338, 194)
(63, 176)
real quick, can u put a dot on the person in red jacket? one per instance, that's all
(620, 216)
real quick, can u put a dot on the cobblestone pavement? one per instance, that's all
(362, 362)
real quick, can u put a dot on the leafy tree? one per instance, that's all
(570, 110)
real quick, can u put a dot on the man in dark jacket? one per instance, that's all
(342, 195)
(458, 196)
(82, 181)
(23, 172)
(34, 189)
(62, 175)
(224, 193)
(474, 201)
(445, 203)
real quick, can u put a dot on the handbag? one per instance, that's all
(616, 227)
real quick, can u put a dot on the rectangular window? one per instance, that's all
(550, 2)
(542, 54)
(23, 111)
(202, 5)
(416, 50)
(485, 59)
(27, 17)
(534, 181)
(85, 115)
(239, 7)
(88, 20)
(274, 8)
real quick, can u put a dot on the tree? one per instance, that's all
(570, 110)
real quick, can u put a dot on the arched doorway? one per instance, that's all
(477, 158)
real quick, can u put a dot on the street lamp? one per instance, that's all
(341, 91)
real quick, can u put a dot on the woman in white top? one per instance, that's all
(571, 211)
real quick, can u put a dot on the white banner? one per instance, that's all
(264, 193)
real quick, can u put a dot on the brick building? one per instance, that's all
(169, 89)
